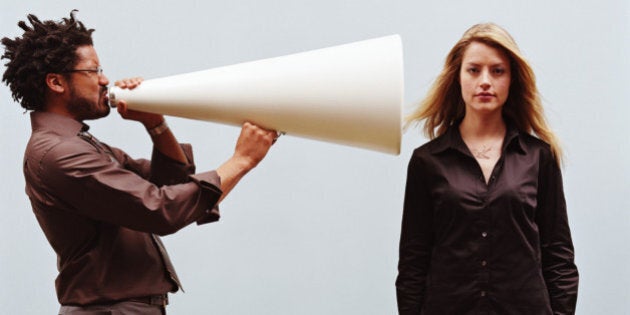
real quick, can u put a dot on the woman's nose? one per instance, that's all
(485, 80)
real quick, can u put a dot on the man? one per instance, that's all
(100, 209)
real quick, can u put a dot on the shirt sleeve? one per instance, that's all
(416, 240)
(157, 196)
(160, 170)
(557, 256)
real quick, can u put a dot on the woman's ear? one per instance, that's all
(57, 83)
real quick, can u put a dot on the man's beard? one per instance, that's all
(84, 109)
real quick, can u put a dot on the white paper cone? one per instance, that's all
(350, 94)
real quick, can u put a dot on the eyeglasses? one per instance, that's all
(98, 70)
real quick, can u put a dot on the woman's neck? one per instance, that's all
(483, 135)
(481, 127)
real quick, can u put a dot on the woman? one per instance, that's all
(485, 227)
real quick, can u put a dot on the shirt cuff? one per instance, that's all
(166, 171)
(209, 182)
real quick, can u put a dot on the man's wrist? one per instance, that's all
(158, 130)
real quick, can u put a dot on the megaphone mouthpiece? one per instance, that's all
(111, 98)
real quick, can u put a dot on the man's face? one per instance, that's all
(88, 89)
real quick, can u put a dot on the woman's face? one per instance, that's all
(485, 78)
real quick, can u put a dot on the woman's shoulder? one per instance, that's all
(427, 154)
(432, 146)
(531, 142)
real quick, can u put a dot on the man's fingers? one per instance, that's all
(129, 83)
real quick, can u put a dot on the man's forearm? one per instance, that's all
(231, 173)
(165, 142)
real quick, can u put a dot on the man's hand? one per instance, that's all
(149, 120)
(253, 143)
(251, 147)
(165, 141)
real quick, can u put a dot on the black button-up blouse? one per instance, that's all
(468, 247)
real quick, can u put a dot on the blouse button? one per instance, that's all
(484, 263)
(484, 234)
(483, 293)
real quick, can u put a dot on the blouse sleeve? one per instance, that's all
(415, 240)
(558, 267)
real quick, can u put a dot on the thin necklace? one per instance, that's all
(483, 152)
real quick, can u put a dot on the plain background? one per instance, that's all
(314, 229)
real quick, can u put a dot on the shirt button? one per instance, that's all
(484, 263)
(483, 293)
(484, 234)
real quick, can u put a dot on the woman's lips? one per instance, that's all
(485, 96)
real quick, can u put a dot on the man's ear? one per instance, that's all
(57, 83)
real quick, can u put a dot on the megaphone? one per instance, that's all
(348, 94)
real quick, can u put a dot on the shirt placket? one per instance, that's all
(487, 236)
(98, 145)
(484, 236)
(170, 270)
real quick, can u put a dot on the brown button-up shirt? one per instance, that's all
(468, 247)
(100, 210)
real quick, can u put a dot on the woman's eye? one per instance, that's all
(473, 70)
(499, 71)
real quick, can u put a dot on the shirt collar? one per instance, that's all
(56, 123)
(452, 139)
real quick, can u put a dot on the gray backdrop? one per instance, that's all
(314, 229)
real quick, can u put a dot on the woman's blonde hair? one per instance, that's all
(443, 105)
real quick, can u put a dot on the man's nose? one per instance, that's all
(103, 80)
